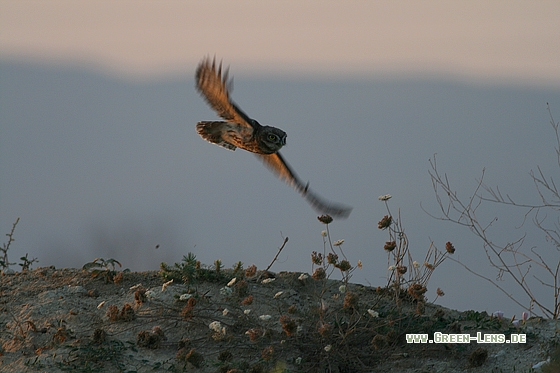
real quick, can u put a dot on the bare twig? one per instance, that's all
(508, 258)
(4, 263)
(278, 253)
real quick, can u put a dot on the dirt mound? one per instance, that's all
(68, 320)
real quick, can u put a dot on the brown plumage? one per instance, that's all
(240, 131)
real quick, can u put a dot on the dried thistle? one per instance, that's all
(127, 313)
(417, 291)
(385, 222)
(191, 356)
(390, 245)
(449, 248)
(149, 339)
(254, 334)
(187, 311)
(288, 325)
(402, 269)
(140, 296)
(247, 301)
(319, 274)
(251, 271)
(429, 266)
(316, 258)
(332, 258)
(344, 266)
(113, 312)
(350, 300)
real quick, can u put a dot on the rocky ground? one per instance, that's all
(73, 320)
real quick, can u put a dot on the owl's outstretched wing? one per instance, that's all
(215, 89)
(278, 165)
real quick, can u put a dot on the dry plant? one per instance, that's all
(105, 268)
(324, 264)
(4, 262)
(512, 258)
(405, 273)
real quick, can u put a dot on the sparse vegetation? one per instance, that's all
(4, 262)
(105, 268)
(511, 259)
(194, 317)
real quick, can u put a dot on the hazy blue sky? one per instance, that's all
(99, 155)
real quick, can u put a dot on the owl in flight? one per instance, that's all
(240, 131)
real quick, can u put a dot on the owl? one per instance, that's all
(240, 131)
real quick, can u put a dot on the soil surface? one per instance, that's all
(72, 320)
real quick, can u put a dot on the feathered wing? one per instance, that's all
(215, 89)
(278, 165)
(212, 131)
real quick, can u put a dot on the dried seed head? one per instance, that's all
(390, 245)
(325, 219)
(344, 266)
(401, 269)
(149, 339)
(429, 266)
(332, 258)
(350, 300)
(385, 222)
(317, 258)
(251, 271)
(187, 311)
(288, 325)
(319, 274)
(127, 313)
(140, 296)
(449, 248)
(113, 312)
(254, 334)
(247, 301)
(416, 290)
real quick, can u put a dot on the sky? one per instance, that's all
(99, 156)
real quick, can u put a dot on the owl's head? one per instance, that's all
(271, 139)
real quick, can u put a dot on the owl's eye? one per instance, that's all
(272, 137)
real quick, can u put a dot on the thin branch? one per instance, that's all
(278, 253)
